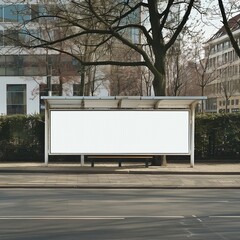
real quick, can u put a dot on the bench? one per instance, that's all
(120, 157)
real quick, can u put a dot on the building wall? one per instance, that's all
(224, 67)
(32, 91)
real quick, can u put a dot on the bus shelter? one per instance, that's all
(120, 126)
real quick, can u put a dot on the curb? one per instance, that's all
(99, 171)
(12, 186)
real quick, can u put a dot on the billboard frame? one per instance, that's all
(54, 103)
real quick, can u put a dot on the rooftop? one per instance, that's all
(234, 24)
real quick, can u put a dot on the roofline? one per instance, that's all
(124, 97)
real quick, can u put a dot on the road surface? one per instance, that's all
(119, 214)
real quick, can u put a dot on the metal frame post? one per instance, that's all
(192, 134)
(46, 150)
(82, 160)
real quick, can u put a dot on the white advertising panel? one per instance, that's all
(119, 132)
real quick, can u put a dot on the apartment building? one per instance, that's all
(223, 91)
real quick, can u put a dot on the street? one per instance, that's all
(119, 214)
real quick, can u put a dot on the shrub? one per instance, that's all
(21, 137)
(217, 136)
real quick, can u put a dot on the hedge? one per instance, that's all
(22, 137)
(217, 136)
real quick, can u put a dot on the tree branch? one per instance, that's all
(181, 25)
(228, 30)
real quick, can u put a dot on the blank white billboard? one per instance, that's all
(119, 132)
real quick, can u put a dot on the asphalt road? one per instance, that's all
(119, 214)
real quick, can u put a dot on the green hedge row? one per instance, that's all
(22, 137)
(217, 136)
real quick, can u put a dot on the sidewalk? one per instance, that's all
(174, 175)
(112, 168)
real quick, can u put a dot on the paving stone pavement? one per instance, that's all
(174, 175)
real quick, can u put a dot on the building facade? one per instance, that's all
(223, 90)
(24, 74)
(28, 74)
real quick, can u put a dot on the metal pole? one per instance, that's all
(46, 133)
(192, 134)
(82, 160)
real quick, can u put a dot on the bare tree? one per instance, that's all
(176, 65)
(105, 22)
(227, 86)
(205, 73)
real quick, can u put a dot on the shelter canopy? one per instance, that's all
(121, 102)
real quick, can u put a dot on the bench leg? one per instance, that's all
(119, 163)
(92, 163)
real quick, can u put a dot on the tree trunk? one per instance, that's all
(159, 160)
(60, 89)
(159, 86)
(82, 83)
(159, 81)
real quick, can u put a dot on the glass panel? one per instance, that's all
(35, 71)
(2, 71)
(16, 88)
(11, 38)
(1, 13)
(16, 109)
(2, 60)
(16, 99)
(14, 65)
(2, 65)
(37, 10)
(34, 65)
(12, 71)
(1, 38)
(16, 13)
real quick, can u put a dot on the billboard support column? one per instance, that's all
(46, 146)
(192, 120)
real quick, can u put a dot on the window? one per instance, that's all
(237, 101)
(37, 10)
(14, 13)
(220, 103)
(22, 65)
(211, 104)
(13, 65)
(232, 102)
(56, 89)
(76, 89)
(11, 38)
(16, 99)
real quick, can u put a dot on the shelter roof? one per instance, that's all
(121, 102)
